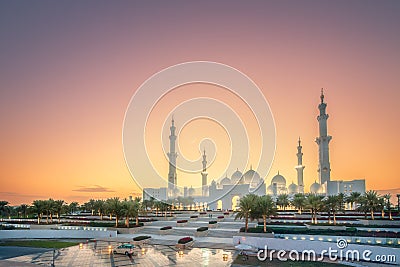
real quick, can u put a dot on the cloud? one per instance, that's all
(93, 189)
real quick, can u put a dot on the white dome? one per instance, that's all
(292, 188)
(279, 180)
(236, 176)
(315, 187)
(225, 181)
(251, 176)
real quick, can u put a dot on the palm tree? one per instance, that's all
(157, 206)
(131, 209)
(332, 205)
(24, 210)
(73, 206)
(266, 206)
(283, 201)
(100, 207)
(38, 207)
(299, 202)
(371, 202)
(116, 208)
(354, 198)
(4, 208)
(315, 204)
(382, 205)
(388, 205)
(49, 209)
(59, 206)
(246, 205)
(90, 206)
(341, 199)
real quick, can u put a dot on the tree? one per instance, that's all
(382, 205)
(38, 206)
(131, 209)
(315, 204)
(49, 209)
(354, 199)
(283, 201)
(73, 207)
(4, 208)
(90, 206)
(370, 202)
(332, 205)
(115, 207)
(24, 210)
(266, 206)
(299, 202)
(100, 207)
(388, 204)
(246, 205)
(59, 206)
(341, 199)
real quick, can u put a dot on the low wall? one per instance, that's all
(379, 222)
(349, 239)
(304, 246)
(27, 234)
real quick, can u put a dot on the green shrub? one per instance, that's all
(202, 229)
(140, 238)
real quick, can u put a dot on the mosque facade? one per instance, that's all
(225, 193)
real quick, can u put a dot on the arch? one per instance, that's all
(219, 204)
(235, 202)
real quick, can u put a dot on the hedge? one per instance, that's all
(202, 229)
(140, 238)
(212, 222)
(166, 228)
(182, 221)
(185, 240)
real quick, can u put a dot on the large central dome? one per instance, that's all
(251, 176)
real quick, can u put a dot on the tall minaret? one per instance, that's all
(172, 160)
(324, 167)
(300, 167)
(204, 175)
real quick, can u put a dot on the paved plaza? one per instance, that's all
(97, 254)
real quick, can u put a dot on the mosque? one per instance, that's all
(225, 193)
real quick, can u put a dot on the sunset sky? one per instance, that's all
(69, 70)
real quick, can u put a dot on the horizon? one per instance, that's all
(69, 71)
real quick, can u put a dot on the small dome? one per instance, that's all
(251, 176)
(315, 187)
(191, 191)
(292, 188)
(236, 177)
(279, 180)
(225, 181)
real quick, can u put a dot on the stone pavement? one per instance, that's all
(97, 254)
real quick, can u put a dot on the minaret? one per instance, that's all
(324, 167)
(172, 160)
(204, 175)
(300, 167)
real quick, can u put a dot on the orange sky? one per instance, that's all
(68, 71)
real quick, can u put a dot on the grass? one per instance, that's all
(253, 261)
(39, 243)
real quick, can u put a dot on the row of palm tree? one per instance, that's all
(252, 207)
